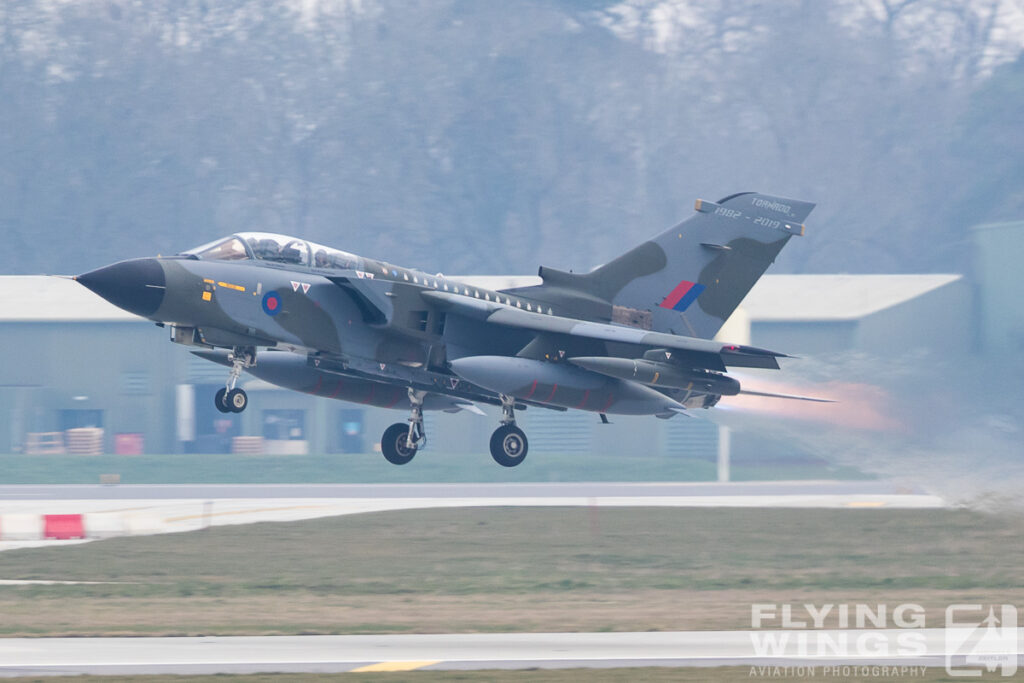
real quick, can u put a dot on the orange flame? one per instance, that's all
(858, 406)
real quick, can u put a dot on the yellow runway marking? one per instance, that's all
(866, 504)
(242, 512)
(394, 666)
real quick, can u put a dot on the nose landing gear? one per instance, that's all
(229, 399)
(400, 442)
(508, 442)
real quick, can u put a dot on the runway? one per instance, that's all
(151, 509)
(327, 654)
(764, 491)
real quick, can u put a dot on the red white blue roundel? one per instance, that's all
(271, 303)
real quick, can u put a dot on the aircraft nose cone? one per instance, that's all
(137, 286)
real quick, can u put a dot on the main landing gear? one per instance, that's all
(508, 443)
(229, 399)
(400, 442)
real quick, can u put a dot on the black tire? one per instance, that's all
(237, 400)
(395, 444)
(218, 400)
(509, 445)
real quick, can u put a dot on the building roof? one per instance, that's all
(1007, 225)
(40, 298)
(495, 282)
(44, 298)
(799, 297)
(835, 297)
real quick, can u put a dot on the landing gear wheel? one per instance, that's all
(395, 444)
(509, 445)
(218, 400)
(236, 400)
(229, 399)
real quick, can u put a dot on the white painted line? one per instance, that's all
(41, 582)
(513, 650)
(21, 521)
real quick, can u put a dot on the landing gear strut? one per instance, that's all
(508, 443)
(400, 442)
(229, 399)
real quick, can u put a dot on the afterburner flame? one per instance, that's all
(857, 406)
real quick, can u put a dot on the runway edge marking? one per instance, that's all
(394, 666)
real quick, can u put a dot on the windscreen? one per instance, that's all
(265, 246)
(228, 249)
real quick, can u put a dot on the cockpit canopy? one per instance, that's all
(265, 246)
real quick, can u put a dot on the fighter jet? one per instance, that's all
(631, 337)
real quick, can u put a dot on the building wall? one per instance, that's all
(999, 253)
(940, 321)
(130, 374)
(804, 338)
(54, 371)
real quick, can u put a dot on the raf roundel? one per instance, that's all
(271, 303)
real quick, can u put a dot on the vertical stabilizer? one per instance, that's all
(688, 280)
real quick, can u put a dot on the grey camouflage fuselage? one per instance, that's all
(353, 328)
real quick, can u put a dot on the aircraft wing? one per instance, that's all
(703, 353)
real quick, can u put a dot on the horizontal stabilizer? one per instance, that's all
(789, 396)
(751, 357)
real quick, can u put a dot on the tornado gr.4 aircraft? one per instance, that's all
(631, 337)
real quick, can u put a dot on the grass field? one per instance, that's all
(371, 467)
(513, 569)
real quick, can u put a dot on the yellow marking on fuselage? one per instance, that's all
(394, 666)
(228, 285)
(208, 281)
(656, 376)
(207, 296)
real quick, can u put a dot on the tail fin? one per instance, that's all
(687, 280)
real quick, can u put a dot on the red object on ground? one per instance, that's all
(63, 527)
(128, 444)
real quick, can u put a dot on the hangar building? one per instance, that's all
(74, 361)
